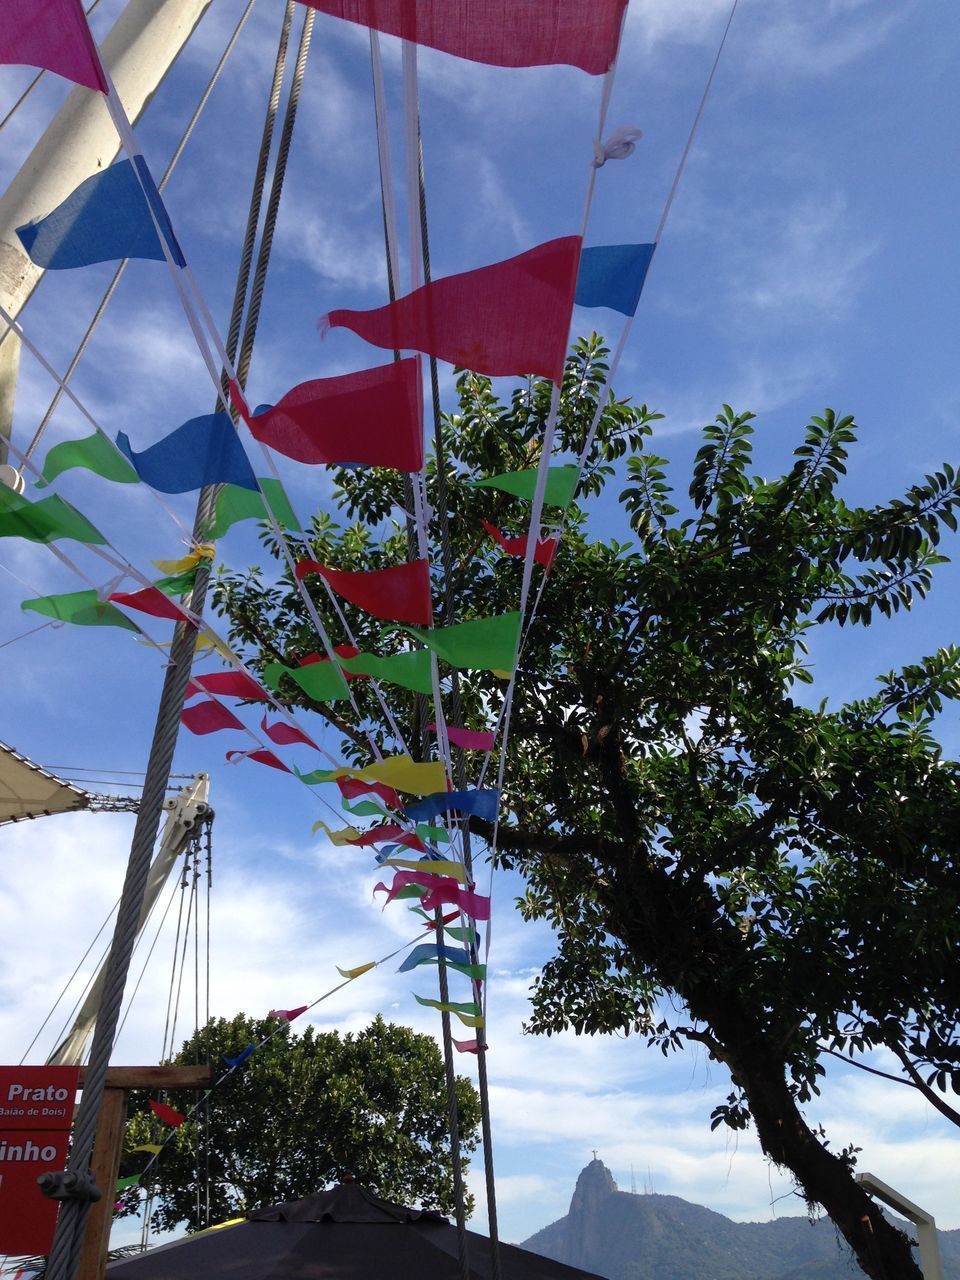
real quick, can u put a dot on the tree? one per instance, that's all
(703, 834)
(300, 1113)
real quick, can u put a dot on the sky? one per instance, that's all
(808, 261)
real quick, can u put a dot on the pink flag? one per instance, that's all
(261, 757)
(209, 716)
(284, 734)
(447, 892)
(374, 418)
(469, 739)
(229, 684)
(465, 1046)
(400, 593)
(503, 33)
(350, 788)
(402, 878)
(546, 547)
(153, 601)
(390, 831)
(288, 1015)
(509, 318)
(167, 1114)
(53, 35)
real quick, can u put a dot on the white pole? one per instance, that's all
(925, 1223)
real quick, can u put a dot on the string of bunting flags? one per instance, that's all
(506, 318)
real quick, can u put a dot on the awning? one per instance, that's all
(27, 791)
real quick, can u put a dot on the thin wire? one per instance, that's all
(173, 968)
(32, 632)
(156, 939)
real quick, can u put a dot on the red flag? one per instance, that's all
(342, 651)
(208, 717)
(398, 594)
(503, 33)
(52, 34)
(261, 757)
(167, 1114)
(284, 734)
(377, 835)
(350, 788)
(509, 318)
(468, 739)
(465, 1046)
(374, 418)
(153, 601)
(546, 547)
(288, 1015)
(229, 684)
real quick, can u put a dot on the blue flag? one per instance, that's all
(205, 450)
(429, 953)
(108, 217)
(482, 804)
(612, 275)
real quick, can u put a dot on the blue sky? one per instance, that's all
(809, 260)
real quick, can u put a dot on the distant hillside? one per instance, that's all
(651, 1237)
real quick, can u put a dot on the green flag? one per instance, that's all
(561, 484)
(96, 453)
(409, 670)
(44, 521)
(123, 1183)
(437, 834)
(363, 809)
(178, 585)
(83, 608)
(485, 644)
(321, 681)
(235, 503)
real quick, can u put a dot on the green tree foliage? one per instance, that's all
(725, 860)
(299, 1114)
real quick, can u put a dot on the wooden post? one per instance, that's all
(108, 1148)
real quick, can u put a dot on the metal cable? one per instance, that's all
(122, 266)
(72, 1220)
(457, 755)
(173, 964)
(143, 970)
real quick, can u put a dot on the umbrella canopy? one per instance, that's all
(343, 1234)
(27, 791)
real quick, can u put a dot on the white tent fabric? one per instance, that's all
(27, 791)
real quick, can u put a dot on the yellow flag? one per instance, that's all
(435, 868)
(205, 551)
(355, 973)
(153, 1147)
(344, 836)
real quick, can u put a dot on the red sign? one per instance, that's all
(36, 1107)
(27, 1217)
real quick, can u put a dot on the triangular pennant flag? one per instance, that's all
(321, 681)
(352, 787)
(260, 757)
(235, 503)
(284, 734)
(482, 804)
(468, 1012)
(107, 218)
(544, 553)
(96, 453)
(241, 1057)
(403, 774)
(44, 521)
(426, 832)
(167, 1114)
(355, 973)
(435, 866)
(509, 318)
(54, 36)
(503, 33)
(229, 684)
(430, 953)
(373, 418)
(561, 484)
(203, 451)
(345, 836)
(410, 670)
(464, 1046)
(363, 809)
(400, 593)
(178, 585)
(468, 739)
(153, 601)
(153, 1147)
(288, 1015)
(209, 717)
(613, 275)
(449, 893)
(124, 1183)
(82, 608)
(484, 644)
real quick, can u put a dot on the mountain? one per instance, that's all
(653, 1237)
